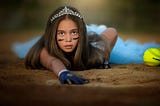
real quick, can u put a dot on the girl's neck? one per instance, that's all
(69, 54)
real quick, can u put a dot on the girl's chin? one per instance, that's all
(68, 50)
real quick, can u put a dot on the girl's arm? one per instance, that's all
(51, 62)
(57, 66)
(111, 35)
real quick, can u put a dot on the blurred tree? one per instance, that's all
(18, 13)
(136, 15)
(125, 15)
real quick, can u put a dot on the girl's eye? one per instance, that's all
(61, 33)
(74, 32)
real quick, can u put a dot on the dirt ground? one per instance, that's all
(129, 84)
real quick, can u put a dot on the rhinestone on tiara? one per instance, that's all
(64, 11)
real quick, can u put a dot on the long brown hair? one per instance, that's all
(83, 54)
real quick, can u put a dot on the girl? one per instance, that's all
(69, 44)
(66, 46)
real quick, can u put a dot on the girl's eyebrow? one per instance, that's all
(60, 31)
(70, 30)
(74, 29)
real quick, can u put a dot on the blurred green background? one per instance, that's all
(125, 15)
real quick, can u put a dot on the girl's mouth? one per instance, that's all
(68, 46)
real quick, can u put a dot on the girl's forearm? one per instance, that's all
(111, 35)
(50, 62)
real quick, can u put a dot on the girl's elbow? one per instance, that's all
(112, 31)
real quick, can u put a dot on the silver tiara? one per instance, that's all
(64, 11)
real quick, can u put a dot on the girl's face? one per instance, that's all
(67, 35)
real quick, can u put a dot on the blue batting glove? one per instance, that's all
(67, 77)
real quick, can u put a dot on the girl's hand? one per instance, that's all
(105, 65)
(67, 77)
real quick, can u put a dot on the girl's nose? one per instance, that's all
(68, 38)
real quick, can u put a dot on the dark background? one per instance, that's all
(125, 15)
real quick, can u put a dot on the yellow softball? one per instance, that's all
(151, 57)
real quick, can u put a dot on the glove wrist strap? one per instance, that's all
(59, 73)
